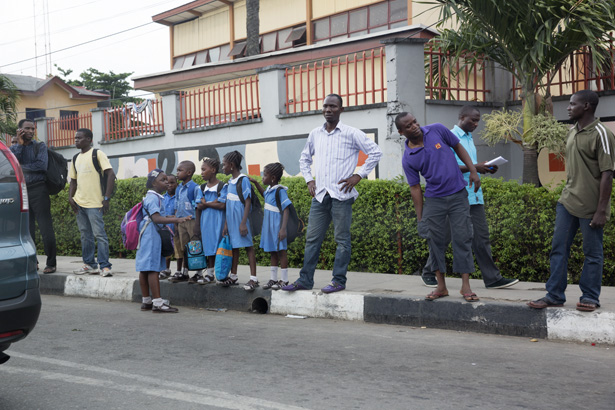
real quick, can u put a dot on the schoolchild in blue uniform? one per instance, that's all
(210, 215)
(170, 206)
(149, 260)
(237, 224)
(273, 234)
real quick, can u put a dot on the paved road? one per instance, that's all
(92, 354)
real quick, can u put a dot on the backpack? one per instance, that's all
(294, 225)
(102, 175)
(57, 170)
(256, 209)
(194, 256)
(190, 193)
(130, 227)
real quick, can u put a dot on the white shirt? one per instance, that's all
(335, 156)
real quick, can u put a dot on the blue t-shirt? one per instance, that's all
(435, 162)
(185, 202)
(475, 198)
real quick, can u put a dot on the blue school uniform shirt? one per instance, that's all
(272, 220)
(170, 203)
(465, 138)
(186, 204)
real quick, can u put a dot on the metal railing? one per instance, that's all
(221, 103)
(359, 78)
(133, 120)
(447, 78)
(61, 131)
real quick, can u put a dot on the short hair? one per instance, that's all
(172, 176)
(86, 133)
(190, 167)
(467, 110)
(21, 122)
(235, 158)
(212, 162)
(589, 97)
(339, 98)
(275, 169)
(399, 117)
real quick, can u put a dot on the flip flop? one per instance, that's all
(586, 306)
(470, 297)
(435, 295)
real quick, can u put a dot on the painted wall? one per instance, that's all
(53, 97)
(209, 30)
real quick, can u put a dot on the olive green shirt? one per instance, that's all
(589, 152)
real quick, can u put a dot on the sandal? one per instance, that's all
(587, 306)
(435, 295)
(543, 303)
(470, 297)
(228, 282)
(206, 280)
(49, 269)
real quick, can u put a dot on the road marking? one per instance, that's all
(198, 395)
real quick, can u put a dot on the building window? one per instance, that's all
(71, 120)
(33, 113)
(238, 50)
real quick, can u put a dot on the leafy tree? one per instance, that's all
(529, 40)
(8, 106)
(92, 79)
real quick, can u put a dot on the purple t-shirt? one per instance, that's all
(435, 161)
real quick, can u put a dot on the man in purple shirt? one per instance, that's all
(428, 153)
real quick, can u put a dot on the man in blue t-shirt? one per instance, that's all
(428, 153)
(469, 118)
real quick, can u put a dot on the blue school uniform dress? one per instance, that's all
(149, 255)
(170, 204)
(212, 220)
(234, 212)
(272, 219)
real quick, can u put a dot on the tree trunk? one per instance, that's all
(530, 154)
(252, 27)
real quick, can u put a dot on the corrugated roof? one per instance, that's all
(29, 84)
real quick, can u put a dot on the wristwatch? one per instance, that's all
(106, 198)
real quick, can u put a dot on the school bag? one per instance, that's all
(101, 174)
(294, 225)
(130, 227)
(57, 170)
(166, 236)
(224, 258)
(256, 209)
(194, 256)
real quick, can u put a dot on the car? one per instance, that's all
(20, 298)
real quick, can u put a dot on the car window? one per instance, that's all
(7, 173)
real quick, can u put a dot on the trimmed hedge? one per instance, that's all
(384, 235)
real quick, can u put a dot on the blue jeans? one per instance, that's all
(566, 227)
(91, 226)
(321, 215)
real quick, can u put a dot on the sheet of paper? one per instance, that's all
(497, 161)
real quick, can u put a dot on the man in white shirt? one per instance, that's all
(333, 149)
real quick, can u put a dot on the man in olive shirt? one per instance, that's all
(584, 203)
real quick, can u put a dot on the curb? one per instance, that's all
(500, 318)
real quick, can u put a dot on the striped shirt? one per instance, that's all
(335, 156)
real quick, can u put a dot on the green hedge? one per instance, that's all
(384, 236)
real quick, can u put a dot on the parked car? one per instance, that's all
(20, 299)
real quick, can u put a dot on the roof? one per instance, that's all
(35, 86)
(189, 11)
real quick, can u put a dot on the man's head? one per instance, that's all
(27, 129)
(332, 107)
(83, 138)
(408, 126)
(582, 103)
(469, 118)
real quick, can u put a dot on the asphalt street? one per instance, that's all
(97, 354)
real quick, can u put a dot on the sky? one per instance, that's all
(24, 25)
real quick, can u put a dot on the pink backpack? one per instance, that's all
(130, 227)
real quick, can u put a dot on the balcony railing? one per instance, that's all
(133, 120)
(359, 78)
(61, 131)
(226, 102)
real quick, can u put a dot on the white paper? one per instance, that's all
(497, 161)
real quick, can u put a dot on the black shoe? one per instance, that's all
(502, 283)
(430, 281)
(164, 308)
(146, 306)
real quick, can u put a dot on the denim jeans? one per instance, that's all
(91, 226)
(566, 227)
(320, 218)
(40, 212)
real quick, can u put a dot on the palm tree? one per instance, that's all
(8, 106)
(252, 27)
(529, 39)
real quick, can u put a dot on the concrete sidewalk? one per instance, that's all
(371, 297)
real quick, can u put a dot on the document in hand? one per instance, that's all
(497, 161)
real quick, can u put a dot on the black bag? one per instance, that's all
(101, 174)
(256, 209)
(166, 237)
(57, 170)
(294, 225)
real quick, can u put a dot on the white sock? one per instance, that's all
(285, 275)
(233, 276)
(158, 302)
(147, 300)
(274, 273)
(254, 278)
(210, 271)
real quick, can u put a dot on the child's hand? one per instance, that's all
(225, 231)
(282, 234)
(243, 229)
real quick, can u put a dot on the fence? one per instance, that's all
(226, 102)
(61, 131)
(6, 139)
(578, 72)
(359, 78)
(132, 120)
(453, 79)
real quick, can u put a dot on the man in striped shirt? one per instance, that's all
(585, 204)
(333, 149)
